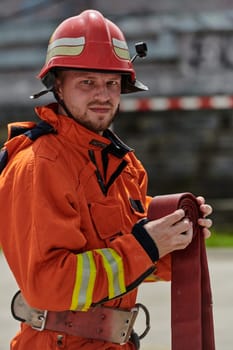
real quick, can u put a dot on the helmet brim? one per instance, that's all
(127, 86)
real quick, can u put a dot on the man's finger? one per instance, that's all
(205, 222)
(174, 217)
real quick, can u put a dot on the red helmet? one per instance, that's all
(92, 42)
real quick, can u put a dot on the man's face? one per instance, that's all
(91, 97)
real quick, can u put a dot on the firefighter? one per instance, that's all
(73, 202)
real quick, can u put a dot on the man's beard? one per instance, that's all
(99, 128)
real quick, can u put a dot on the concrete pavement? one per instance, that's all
(157, 299)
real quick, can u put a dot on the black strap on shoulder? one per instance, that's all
(40, 129)
(3, 159)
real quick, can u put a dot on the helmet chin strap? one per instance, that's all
(58, 99)
(39, 94)
(63, 105)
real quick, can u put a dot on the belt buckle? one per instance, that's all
(38, 319)
(125, 335)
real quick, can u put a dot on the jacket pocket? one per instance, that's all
(107, 219)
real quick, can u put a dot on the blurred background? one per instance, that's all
(182, 129)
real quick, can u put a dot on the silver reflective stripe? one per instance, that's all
(65, 47)
(114, 269)
(120, 43)
(84, 283)
(85, 280)
(121, 49)
(67, 42)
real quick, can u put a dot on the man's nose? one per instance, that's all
(102, 92)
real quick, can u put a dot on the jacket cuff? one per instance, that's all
(143, 237)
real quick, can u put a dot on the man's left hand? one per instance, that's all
(206, 210)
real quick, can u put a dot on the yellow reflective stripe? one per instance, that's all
(115, 272)
(64, 51)
(92, 278)
(120, 275)
(121, 49)
(78, 281)
(121, 53)
(84, 283)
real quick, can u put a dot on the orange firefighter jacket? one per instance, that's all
(68, 203)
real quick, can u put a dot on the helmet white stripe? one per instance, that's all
(119, 43)
(67, 42)
(64, 51)
(65, 47)
(121, 49)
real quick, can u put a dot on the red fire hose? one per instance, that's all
(191, 300)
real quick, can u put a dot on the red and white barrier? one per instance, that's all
(176, 103)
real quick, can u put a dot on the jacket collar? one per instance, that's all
(79, 135)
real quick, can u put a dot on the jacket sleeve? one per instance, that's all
(46, 248)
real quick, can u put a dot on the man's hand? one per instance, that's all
(174, 231)
(206, 209)
(171, 232)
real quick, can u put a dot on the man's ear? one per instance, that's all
(58, 88)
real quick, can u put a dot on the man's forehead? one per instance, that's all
(88, 73)
(97, 74)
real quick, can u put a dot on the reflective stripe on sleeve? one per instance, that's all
(115, 272)
(84, 284)
(82, 297)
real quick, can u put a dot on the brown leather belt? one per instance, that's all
(102, 323)
(191, 300)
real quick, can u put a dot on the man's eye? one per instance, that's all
(87, 82)
(113, 83)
